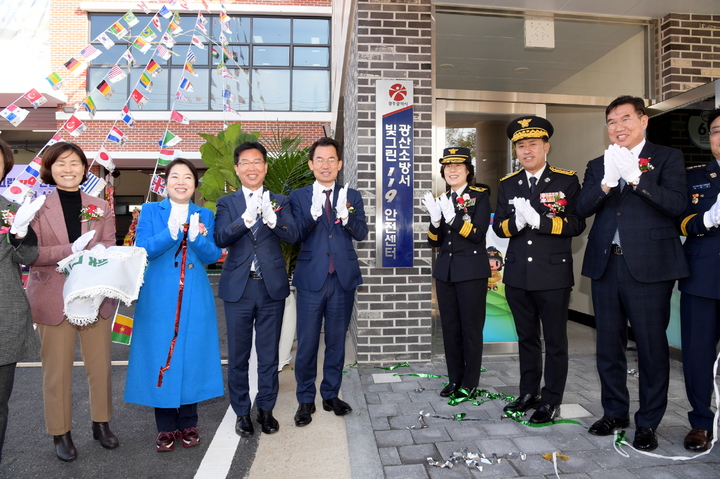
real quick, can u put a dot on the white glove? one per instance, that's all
(711, 218)
(174, 225)
(82, 241)
(531, 216)
(194, 227)
(251, 210)
(626, 164)
(520, 220)
(98, 249)
(612, 175)
(269, 216)
(25, 215)
(448, 209)
(432, 207)
(318, 201)
(341, 206)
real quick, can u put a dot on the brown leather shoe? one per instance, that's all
(698, 440)
(101, 432)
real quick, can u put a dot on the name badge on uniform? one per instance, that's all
(703, 186)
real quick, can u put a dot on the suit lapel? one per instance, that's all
(56, 217)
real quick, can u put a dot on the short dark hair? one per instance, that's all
(325, 142)
(714, 115)
(51, 155)
(636, 102)
(8, 159)
(183, 161)
(470, 175)
(249, 145)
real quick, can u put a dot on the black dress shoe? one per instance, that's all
(449, 389)
(304, 413)
(545, 413)
(645, 439)
(268, 422)
(607, 425)
(337, 405)
(244, 427)
(523, 403)
(101, 432)
(698, 440)
(64, 447)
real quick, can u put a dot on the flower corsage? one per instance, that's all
(645, 165)
(275, 206)
(8, 216)
(557, 205)
(91, 213)
(350, 208)
(463, 203)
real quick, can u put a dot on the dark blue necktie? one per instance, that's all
(533, 181)
(254, 230)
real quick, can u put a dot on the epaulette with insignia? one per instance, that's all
(695, 166)
(446, 193)
(562, 171)
(477, 188)
(511, 175)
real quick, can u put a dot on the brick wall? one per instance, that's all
(689, 52)
(393, 307)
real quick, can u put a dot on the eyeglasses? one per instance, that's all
(323, 161)
(625, 121)
(245, 164)
(715, 132)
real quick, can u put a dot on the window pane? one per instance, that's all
(271, 56)
(271, 30)
(271, 90)
(239, 26)
(158, 98)
(181, 52)
(109, 57)
(311, 57)
(119, 94)
(240, 55)
(239, 86)
(315, 32)
(311, 90)
(198, 98)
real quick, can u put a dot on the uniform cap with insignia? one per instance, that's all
(456, 155)
(529, 127)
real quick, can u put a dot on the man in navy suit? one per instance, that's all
(329, 218)
(700, 299)
(636, 190)
(254, 284)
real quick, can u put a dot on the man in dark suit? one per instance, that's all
(326, 276)
(250, 223)
(536, 210)
(636, 190)
(700, 299)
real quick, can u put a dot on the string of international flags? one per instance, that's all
(143, 43)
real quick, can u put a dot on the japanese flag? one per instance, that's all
(17, 192)
(104, 158)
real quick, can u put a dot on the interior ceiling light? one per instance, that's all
(446, 66)
(521, 70)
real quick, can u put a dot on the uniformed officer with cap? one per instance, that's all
(536, 210)
(459, 219)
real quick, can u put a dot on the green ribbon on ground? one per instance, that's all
(517, 417)
(621, 439)
(391, 368)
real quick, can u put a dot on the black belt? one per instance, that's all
(616, 249)
(254, 275)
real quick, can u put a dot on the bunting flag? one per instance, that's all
(55, 139)
(189, 68)
(169, 140)
(74, 126)
(89, 105)
(158, 185)
(90, 53)
(197, 41)
(180, 97)
(186, 85)
(35, 98)
(226, 28)
(191, 58)
(153, 68)
(142, 45)
(143, 7)
(166, 156)
(104, 88)
(178, 117)
(177, 18)
(17, 192)
(163, 52)
(146, 82)
(131, 19)
(200, 26)
(118, 30)
(205, 5)
(117, 136)
(93, 186)
(225, 72)
(116, 74)
(14, 114)
(148, 34)
(129, 57)
(228, 108)
(122, 326)
(168, 40)
(223, 39)
(75, 67)
(228, 95)
(104, 158)
(174, 28)
(201, 20)
(223, 14)
(127, 117)
(105, 40)
(138, 98)
(156, 23)
(165, 12)
(34, 167)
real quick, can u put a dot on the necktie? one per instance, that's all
(454, 197)
(328, 216)
(254, 230)
(616, 237)
(533, 181)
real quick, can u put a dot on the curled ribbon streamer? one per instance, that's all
(391, 368)
(419, 375)
(517, 415)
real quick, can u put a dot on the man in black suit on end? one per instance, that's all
(636, 190)
(536, 210)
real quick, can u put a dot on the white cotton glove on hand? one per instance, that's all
(269, 216)
(25, 215)
(82, 241)
(341, 205)
(318, 201)
(531, 216)
(98, 249)
(626, 164)
(251, 211)
(612, 175)
(432, 207)
(174, 224)
(520, 220)
(711, 218)
(448, 209)
(194, 227)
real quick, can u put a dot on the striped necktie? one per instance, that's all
(254, 230)
(328, 216)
